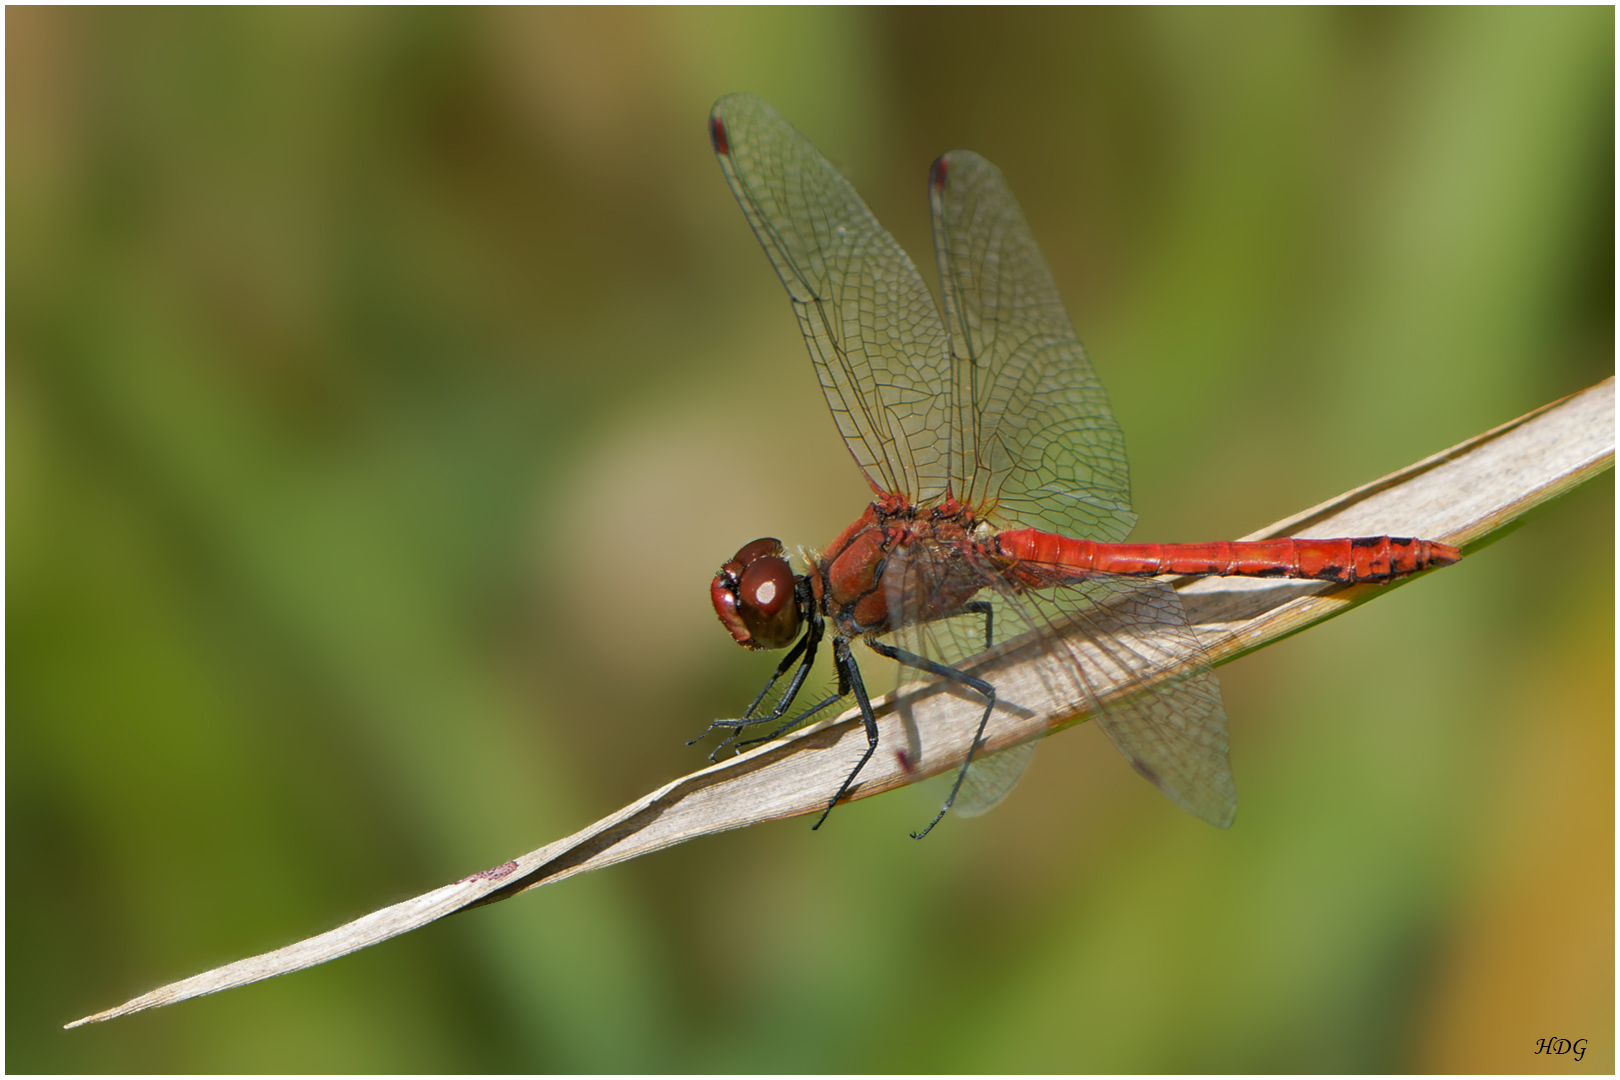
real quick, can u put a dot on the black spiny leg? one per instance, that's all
(791, 724)
(806, 646)
(922, 664)
(849, 673)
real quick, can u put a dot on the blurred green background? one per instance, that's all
(384, 387)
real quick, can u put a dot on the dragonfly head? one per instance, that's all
(756, 596)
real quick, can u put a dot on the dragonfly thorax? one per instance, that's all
(900, 563)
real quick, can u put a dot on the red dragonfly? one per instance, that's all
(1002, 490)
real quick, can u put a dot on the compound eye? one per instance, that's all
(766, 602)
(753, 595)
(766, 585)
(758, 549)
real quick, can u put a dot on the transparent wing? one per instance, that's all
(872, 327)
(1173, 732)
(991, 779)
(1095, 635)
(1034, 436)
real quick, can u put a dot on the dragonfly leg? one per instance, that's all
(806, 647)
(793, 723)
(989, 691)
(849, 678)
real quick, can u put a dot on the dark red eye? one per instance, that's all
(754, 595)
(766, 585)
(765, 545)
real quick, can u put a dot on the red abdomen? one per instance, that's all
(1347, 559)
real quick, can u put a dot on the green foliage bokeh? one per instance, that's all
(384, 387)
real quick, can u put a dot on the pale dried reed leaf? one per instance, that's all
(1464, 496)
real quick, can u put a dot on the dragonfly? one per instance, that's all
(1001, 487)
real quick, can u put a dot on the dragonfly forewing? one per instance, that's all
(871, 325)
